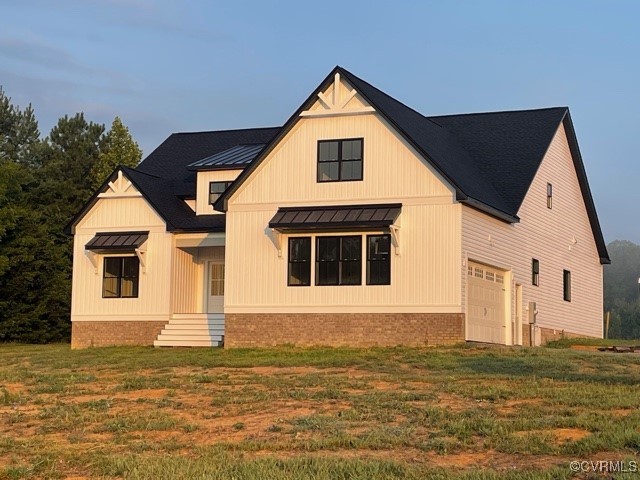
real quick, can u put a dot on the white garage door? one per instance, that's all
(485, 306)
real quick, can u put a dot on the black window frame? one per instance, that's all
(535, 272)
(121, 276)
(298, 262)
(340, 160)
(566, 285)
(371, 260)
(549, 196)
(339, 261)
(211, 184)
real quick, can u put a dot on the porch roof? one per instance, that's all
(336, 217)
(117, 241)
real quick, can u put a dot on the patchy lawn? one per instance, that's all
(460, 412)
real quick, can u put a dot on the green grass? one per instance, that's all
(461, 412)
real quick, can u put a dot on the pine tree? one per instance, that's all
(119, 148)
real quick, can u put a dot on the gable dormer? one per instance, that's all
(217, 172)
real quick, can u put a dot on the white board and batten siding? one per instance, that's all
(202, 206)
(131, 213)
(424, 276)
(190, 281)
(560, 238)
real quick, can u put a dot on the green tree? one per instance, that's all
(119, 148)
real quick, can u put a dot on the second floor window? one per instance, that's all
(340, 160)
(535, 272)
(549, 195)
(216, 189)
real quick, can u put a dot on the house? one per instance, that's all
(358, 222)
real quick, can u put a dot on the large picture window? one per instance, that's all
(378, 259)
(216, 189)
(120, 277)
(339, 260)
(299, 262)
(339, 160)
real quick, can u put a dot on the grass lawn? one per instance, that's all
(465, 412)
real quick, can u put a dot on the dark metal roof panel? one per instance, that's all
(117, 241)
(335, 217)
(236, 156)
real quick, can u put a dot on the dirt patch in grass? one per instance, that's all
(455, 402)
(406, 409)
(509, 407)
(563, 435)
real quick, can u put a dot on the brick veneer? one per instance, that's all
(352, 329)
(103, 334)
(547, 335)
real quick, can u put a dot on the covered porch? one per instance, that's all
(197, 292)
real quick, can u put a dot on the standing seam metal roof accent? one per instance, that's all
(239, 155)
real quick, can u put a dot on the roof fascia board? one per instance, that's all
(493, 212)
(69, 229)
(585, 189)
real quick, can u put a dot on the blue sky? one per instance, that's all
(167, 66)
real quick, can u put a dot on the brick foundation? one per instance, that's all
(103, 334)
(546, 335)
(342, 329)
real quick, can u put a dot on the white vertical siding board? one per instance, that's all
(546, 234)
(203, 179)
(425, 275)
(154, 300)
(392, 168)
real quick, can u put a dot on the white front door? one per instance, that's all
(215, 287)
(486, 304)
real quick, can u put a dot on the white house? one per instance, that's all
(358, 222)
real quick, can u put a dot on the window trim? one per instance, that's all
(388, 261)
(226, 183)
(289, 262)
(535, 272)
(339, 261)
(339, 161)
(566, 285)
(121, 277)
(549, 196)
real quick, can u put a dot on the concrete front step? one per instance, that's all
(192, 330)
(190, 336)
(187, 343)
(193, 326)
(197, 321)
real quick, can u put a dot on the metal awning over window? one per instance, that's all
(347, 217)
(120, 241)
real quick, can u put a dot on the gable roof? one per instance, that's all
(164, 180)
(489, 158)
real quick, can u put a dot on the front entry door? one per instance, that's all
(215, 287)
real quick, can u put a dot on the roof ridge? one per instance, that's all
(227, 130)
(125, 168)
(431, 117)
(381, 91)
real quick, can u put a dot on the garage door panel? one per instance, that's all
(485, 305)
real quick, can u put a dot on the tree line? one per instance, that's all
(622, 289)
(43, 183)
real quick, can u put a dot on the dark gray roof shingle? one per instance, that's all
(489, 158)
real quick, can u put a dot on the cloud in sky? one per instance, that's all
(166, 66)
